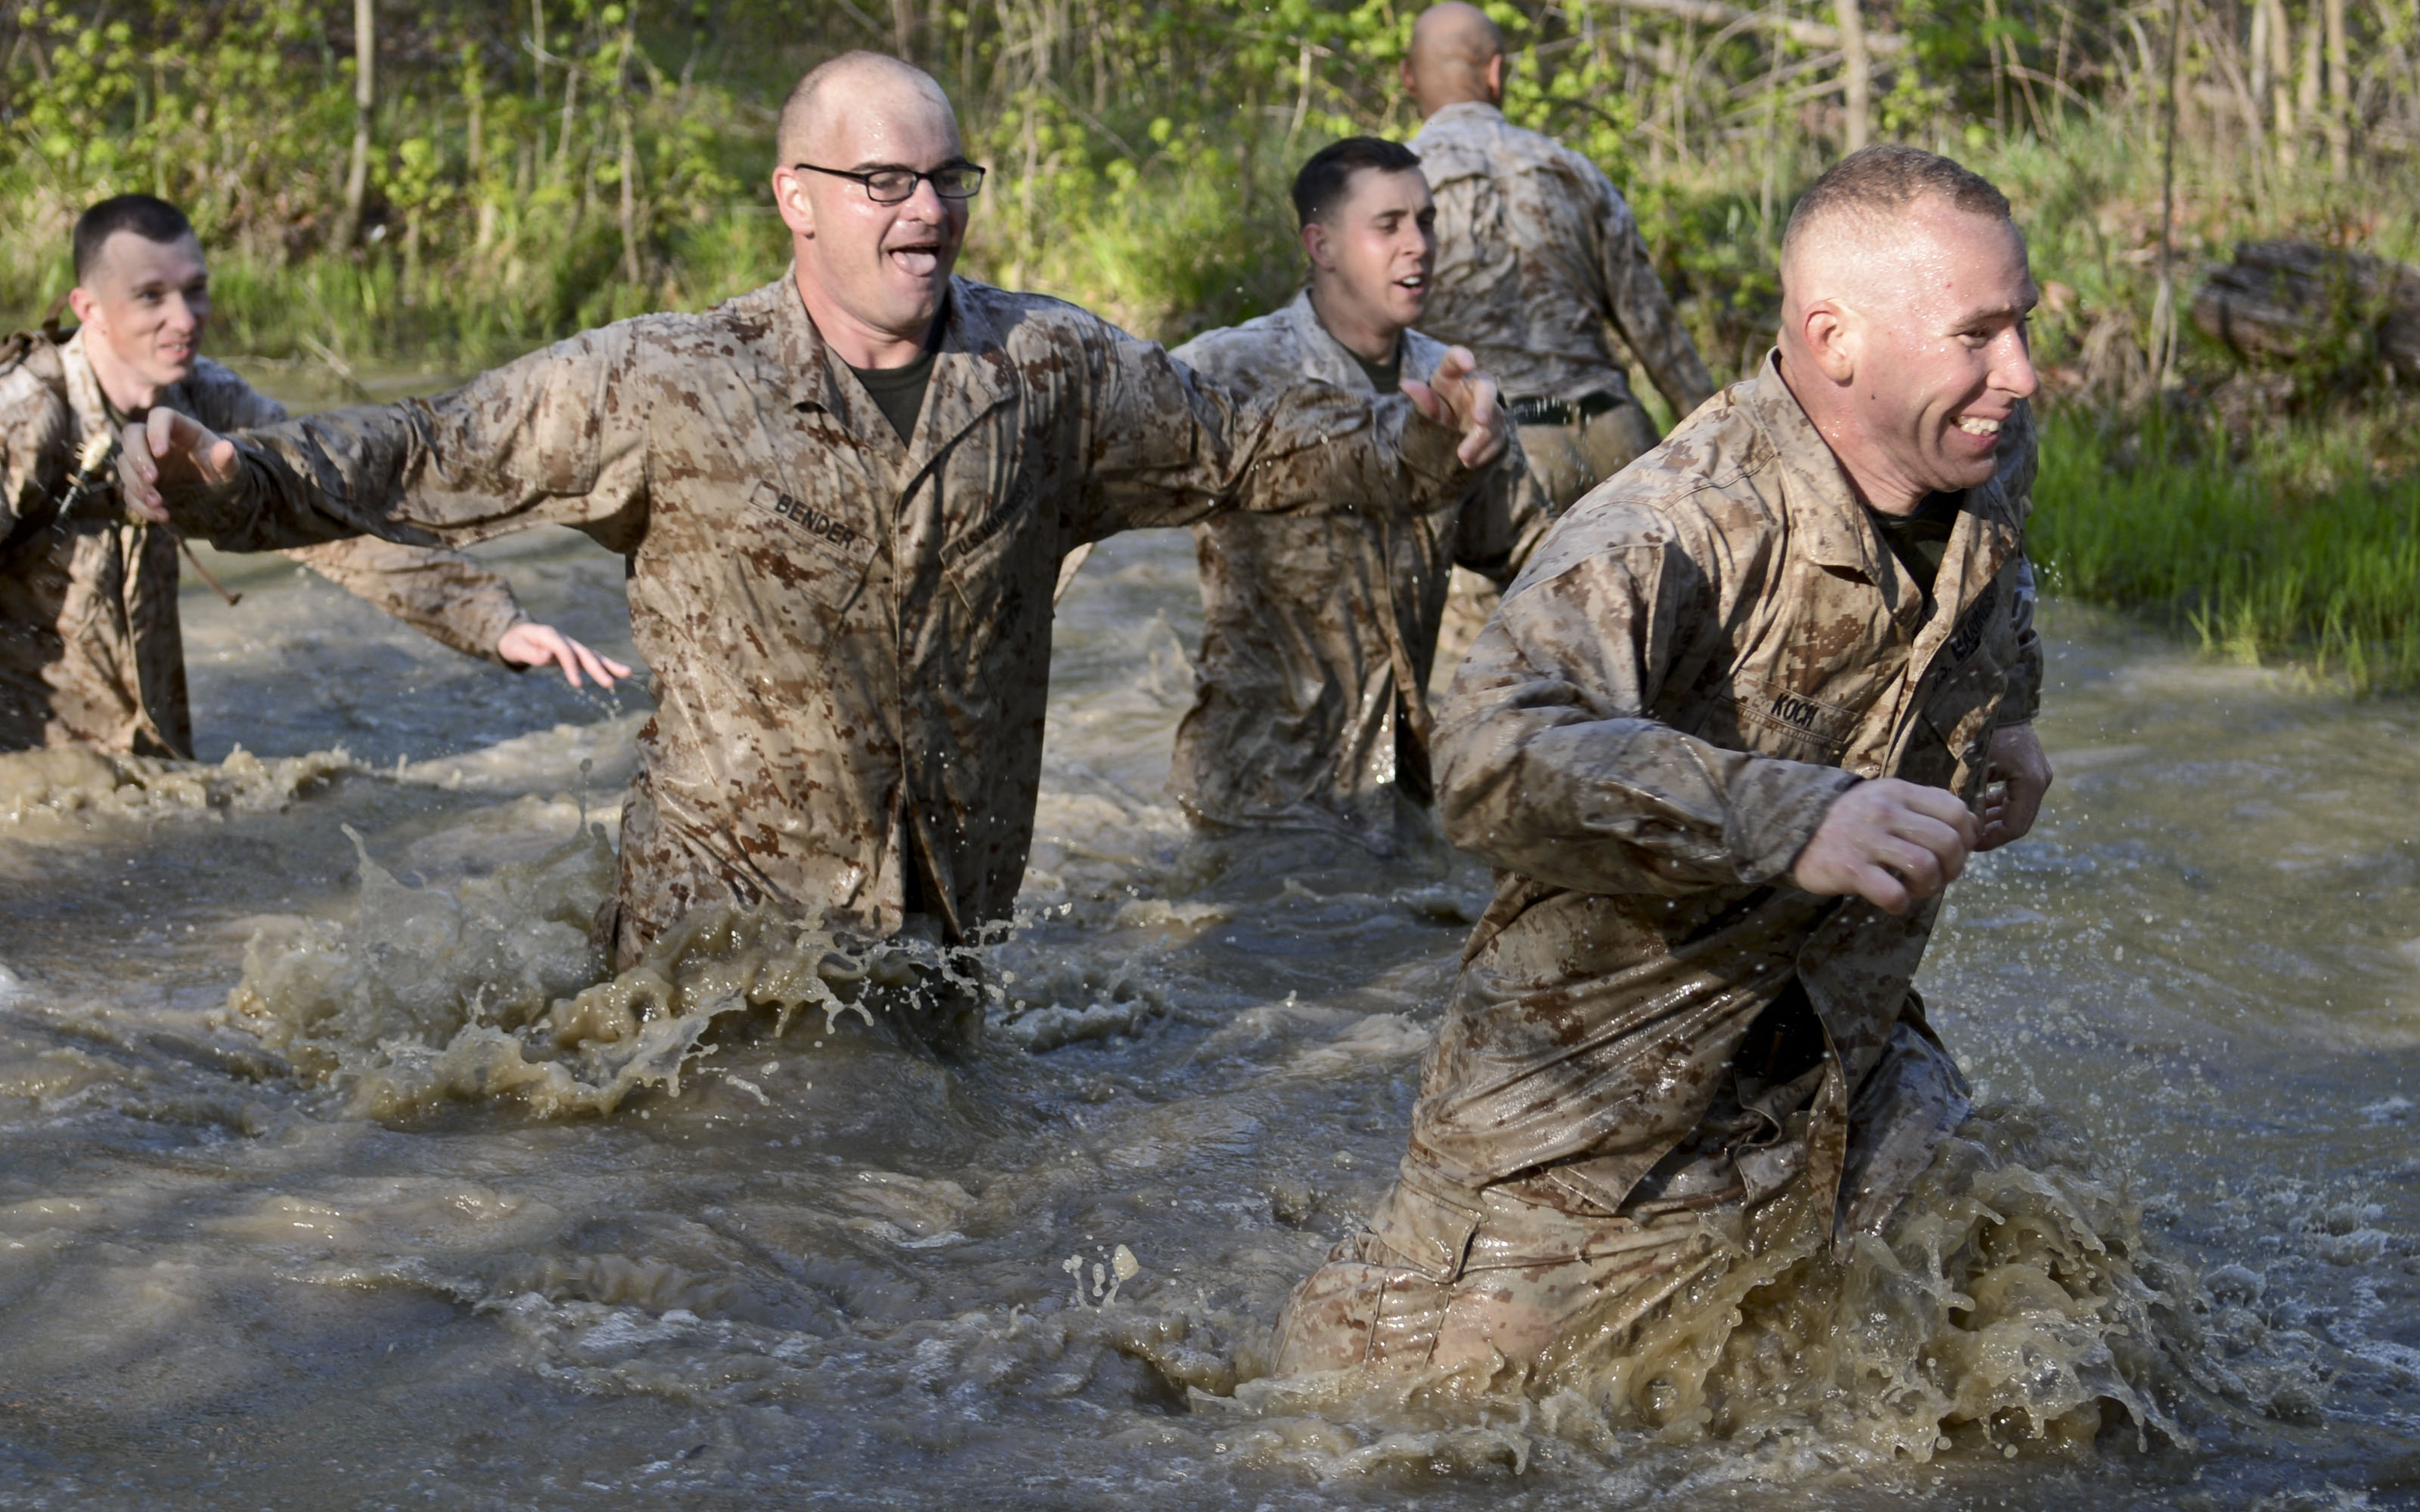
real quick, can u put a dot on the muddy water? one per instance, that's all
(262, 1242)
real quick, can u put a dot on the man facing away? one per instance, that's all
(1311, 711)
(1537, 254)
(1726, 740)
(844, 499)
(91, 653)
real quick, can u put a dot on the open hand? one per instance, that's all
(531, 644)
(1461, 396)
(1891, 843)
(2021, 775)
(165, 448)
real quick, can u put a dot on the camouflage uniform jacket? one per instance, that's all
(849, 637)
(1536, 252)
(1318, 630)
(1701, 655)
(91, 653)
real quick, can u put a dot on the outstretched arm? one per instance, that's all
(456, 601)
(1166, 445)
(558, 437)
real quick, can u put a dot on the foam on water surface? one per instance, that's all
(335, 1170)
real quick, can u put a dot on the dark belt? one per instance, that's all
(1563, 412)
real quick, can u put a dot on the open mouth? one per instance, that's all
(1977, 426)
(920, 259)
(1417, 283)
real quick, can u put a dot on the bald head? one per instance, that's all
(1457, 57)
(852, 86)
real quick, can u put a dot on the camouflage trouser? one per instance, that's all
(1532, 1274)
(1567, 461)
(667, 885)
(1444, 1274)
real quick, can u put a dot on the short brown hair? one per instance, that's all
(146, 216)
(1321, 184)
(1878, 181)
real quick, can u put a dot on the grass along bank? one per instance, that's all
(2292, 543)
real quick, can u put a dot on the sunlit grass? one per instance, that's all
(2290, 545)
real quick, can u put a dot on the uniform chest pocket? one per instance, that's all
(823, 556)
(991, 557)
(1778, 721)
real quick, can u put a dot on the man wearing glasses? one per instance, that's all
(844, 499)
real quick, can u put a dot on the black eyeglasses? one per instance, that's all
(896, 186)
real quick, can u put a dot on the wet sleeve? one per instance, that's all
(32, 454)
(1642, 312)
(449, 598)
(558, 438)
(1167, 446)
(2023, 698)
(1505, 519)
(1549, 763)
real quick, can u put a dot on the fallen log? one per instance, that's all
(2294, 302)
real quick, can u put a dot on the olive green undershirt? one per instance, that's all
(899, 391)
(1385, 376)
(1921, 540)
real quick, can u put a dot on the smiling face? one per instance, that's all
(1370, 256)
(874, 276)
(143, 305)
(1922, 340)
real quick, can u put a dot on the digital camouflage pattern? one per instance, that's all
(1695, 663)
(91, 650)
(1318, 631)
(1537, 252)
(849, 637)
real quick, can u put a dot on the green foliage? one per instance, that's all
(2295, 545)
(548, 164)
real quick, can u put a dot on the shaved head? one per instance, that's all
(842, 86)
(1852, 216)
(1457, 55)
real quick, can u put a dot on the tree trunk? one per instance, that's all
(633, 270)
(2339, 91)
(1856, 72)
(2281, 75)
(357, 178)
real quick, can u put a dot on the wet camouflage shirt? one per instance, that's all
(1318, 631)
(1536, 252)
(849, 636)
(91, 651)
(1697, 660)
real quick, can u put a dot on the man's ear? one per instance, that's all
(790, 198)
(84, 304)
(1832, 339)
(1314, 246)
(1495, 79)
(1404, 73)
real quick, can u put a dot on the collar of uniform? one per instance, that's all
(1465, 110)
(971, 371)
(1325, 358)
(88, 406)
(1824, 510)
